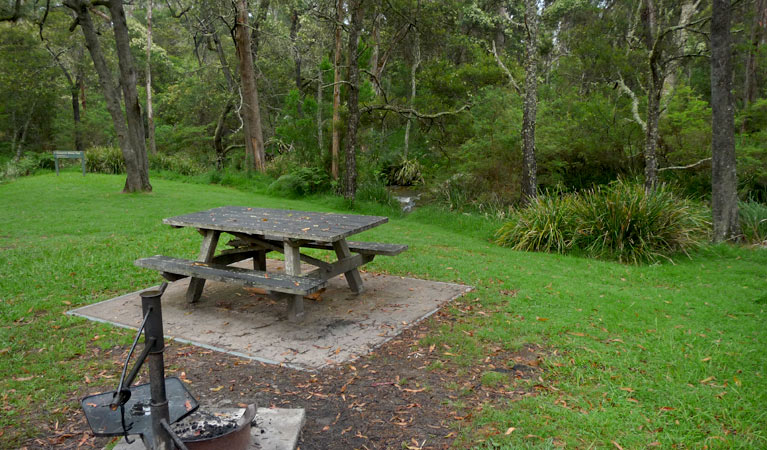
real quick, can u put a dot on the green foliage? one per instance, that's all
(620, 221)
(178, 163)
(406, 172)
(302, 181)
(547, 224)
(23, 167)
(753, 221)
(104, 159)
(179, 138)
(376, 191)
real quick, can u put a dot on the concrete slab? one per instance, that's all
(273, 429)
(339, 326)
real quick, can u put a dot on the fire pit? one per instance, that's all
(226, 429)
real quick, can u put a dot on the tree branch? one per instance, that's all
(634, 103)
(407, 112)
(512, 82)
(689, 166)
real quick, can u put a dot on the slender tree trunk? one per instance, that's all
(20, 136)
(529, 169)
(376, 38)
(295, 25)
(128, 132)
(255, 33)
(654, 93)
(319, 106)
(755, 39)
(74, 91)
(724, 180)
(149, 109)
(336, 142)
(413, 70)
(254, 140)
(350, 186)
(218, 135)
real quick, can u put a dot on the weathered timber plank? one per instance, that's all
(352, 275)
(254, 278)
(323, 227)
(339, 267)
(207, 250)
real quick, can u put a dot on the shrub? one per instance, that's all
(620, 221)
(753, 221)
(179, 164)
(624, 222)
(19, 168)
(303, 181)
(104, 159)
(406, 172)
(546, 224)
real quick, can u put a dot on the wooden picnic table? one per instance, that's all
(258, 231)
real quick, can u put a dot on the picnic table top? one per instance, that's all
(302, 225)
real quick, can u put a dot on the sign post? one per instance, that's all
(68, 155)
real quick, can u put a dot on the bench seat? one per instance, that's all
(276, 282)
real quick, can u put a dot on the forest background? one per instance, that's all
(354, 96)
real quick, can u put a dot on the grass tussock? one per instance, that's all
(753, 221)
(619, 221)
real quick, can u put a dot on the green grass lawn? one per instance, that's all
(660, 355)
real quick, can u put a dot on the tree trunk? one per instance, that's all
(724, 180)
(654, 92)
(134, 155)
(295, 25)
(254, 140)
(350, 186)
(336, 142)
(413, 70)
(74, 91)
(139, 180)
(149, 109)
(218, 135)
(376, 38)
(756, 38)
(529, 169)
(319, 106)
(255, 33)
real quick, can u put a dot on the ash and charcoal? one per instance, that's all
(203, 425)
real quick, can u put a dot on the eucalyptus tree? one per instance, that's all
(724, 179)
(129, 125)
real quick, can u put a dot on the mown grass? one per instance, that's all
(666, 354)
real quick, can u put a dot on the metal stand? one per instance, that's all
(128, 410)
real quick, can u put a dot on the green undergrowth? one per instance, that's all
(656, 355)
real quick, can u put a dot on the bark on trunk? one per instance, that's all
(255, 34)
(529, 169)
(724, 179)
(350, 185)
(254, 140)
(336, 139)
(149, 109)
(376, 38)
(654, 93)
(74, 91)
(139, 180)
(218, 135)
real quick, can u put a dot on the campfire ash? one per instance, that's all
(205, 425)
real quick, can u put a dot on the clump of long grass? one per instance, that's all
(623, 221)
(620, 221)
(546, 224)
(753, 221)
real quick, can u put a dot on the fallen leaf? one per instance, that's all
(736, 380)
(633, 400)
(627, 389)
(509, 431)
(706, 380)
(216, 389)
(666, 408)
(706, 359)
(617, 445)
(542, 319)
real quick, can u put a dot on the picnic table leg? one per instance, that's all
(259, 260)
(293, 267)
(207, 249)
(353, 276)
